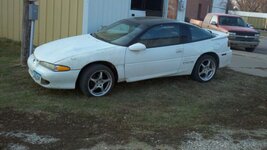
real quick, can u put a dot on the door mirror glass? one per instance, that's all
(214, 23)
(137, 47)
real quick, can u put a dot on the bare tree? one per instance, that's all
(264, 6)
(251, 5)
(229, 6)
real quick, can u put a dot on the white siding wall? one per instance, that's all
(105, 12)
(249, 14)
(181, 10)
(98, 13)
(219, 6)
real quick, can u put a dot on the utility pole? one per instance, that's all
(228, 6)
(26, 28)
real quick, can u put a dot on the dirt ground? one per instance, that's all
(67, 131)
(23, 131)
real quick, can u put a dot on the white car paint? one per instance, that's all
(152, 62)
(77, 52)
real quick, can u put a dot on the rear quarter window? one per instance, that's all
(194, 33)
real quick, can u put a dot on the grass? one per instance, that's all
(232, 99)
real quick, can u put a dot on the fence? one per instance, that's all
(258, 23)
(258, 20)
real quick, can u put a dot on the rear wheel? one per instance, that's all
(205, 69)
(96, 80)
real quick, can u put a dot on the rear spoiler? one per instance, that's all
(218, 34)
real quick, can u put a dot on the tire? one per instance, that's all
(250, 49)
(96, 80)
(205, 69)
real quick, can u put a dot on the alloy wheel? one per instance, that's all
(100, 83)
(207, 69)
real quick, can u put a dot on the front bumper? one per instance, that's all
(51, 79)
(243, 44)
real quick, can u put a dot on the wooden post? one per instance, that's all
(26, 28)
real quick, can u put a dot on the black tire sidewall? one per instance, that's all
(88, 72)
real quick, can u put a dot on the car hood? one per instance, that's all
(238, 29)
(61, 49)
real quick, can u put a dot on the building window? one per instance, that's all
(152, 7)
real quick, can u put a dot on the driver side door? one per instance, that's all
(162, 56)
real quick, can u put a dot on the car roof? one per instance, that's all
(222, 14)
(151, 21)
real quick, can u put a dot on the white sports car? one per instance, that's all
(129, 50)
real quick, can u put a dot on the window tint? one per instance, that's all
(232, 21)
(120, 29)
(119, 33)
(214, 19)
(190, 33)
(162, 35)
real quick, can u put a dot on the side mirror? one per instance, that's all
(137, 47)
(214, 23)
(250, 26)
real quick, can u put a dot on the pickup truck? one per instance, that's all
(240, 34)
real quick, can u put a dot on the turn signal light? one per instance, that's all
(62, 68)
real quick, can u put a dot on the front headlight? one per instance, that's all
(257, 35)
(54, 67)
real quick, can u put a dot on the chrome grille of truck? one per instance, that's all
(245, 33)
(250, 39)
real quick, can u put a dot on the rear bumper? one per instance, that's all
(225, 58)
(243, 44)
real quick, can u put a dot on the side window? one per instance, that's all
(162, 35)
(214, 19)
(192, 33)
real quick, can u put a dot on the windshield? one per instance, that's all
(119, 33)
(232, 21)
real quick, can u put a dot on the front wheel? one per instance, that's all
(205, 69)
(96, 80)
